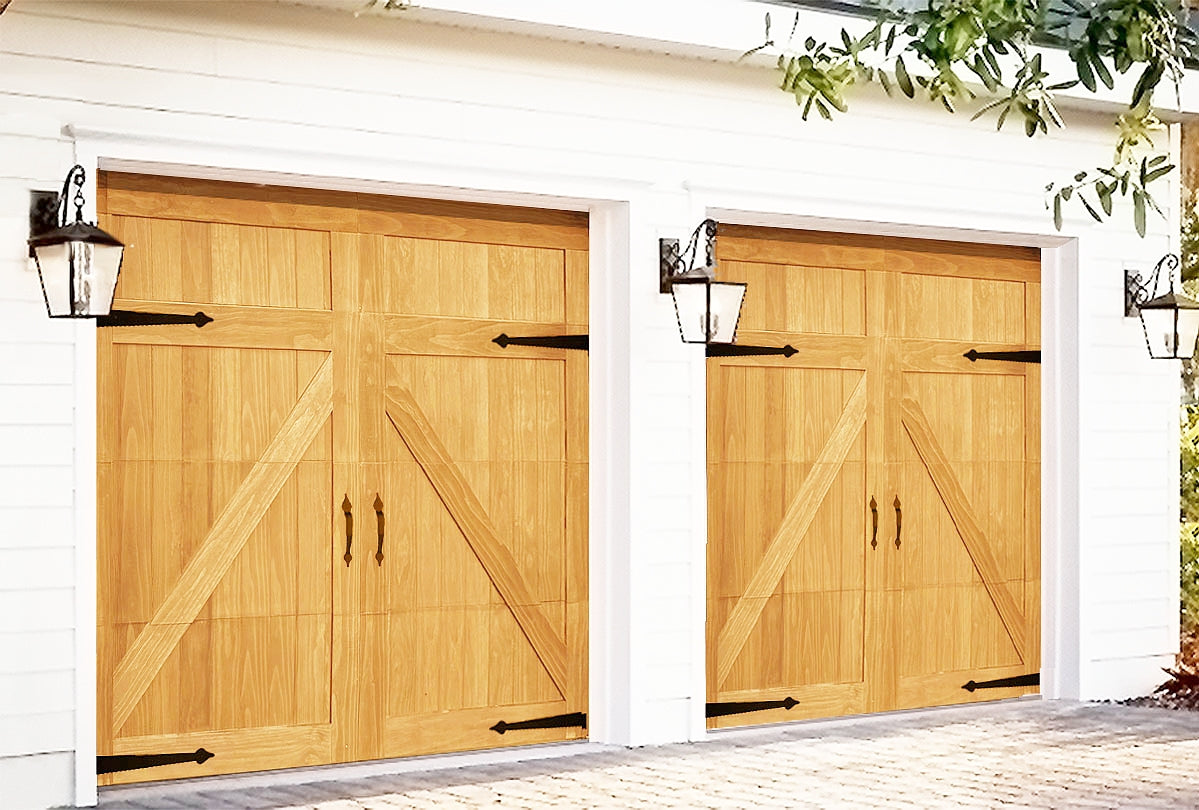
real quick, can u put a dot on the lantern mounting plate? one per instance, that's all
(43, 213)
(669, 259)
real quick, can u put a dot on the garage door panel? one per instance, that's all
(947, 450)
(222, 536)
(972, 309)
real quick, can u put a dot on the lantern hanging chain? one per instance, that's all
(79, 175)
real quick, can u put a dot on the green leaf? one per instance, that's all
(885, 81)
(988, 107)
(1156, 159)
(1154, 174)
(1066, 192)
(1144, 169)
(831, 96)
(1057, 212)
(823, 110)
(1082, 63)
(1145, 84)
(1138, 211)
(902, 77)
(1078, 178)
(1105, 75)
(979, 68)
(1094, 214)
(809, 43)
(1134, 40)
(890, 41)
(1105, 196)
(993, 63)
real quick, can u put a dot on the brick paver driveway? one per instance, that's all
(1019, 754)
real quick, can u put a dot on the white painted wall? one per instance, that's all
(650, 143)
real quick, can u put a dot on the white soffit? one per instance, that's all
(717, 30)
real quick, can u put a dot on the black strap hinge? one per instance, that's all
(737, 350)
(577, 342)
(744, 707)
(134, 762)
(1030, 356)
(1033, 679)
(124, 317)
(572, 720)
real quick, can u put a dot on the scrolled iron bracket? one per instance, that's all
(1138, 290)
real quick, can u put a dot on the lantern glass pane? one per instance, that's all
(691, 308)
(726, 309)
(1159, 331)
(1188, 331)
(105, 267)
(53, 267)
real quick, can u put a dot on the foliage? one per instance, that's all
(1189, 515)
(1189, 242)
(935, 50)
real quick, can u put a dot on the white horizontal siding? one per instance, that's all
(26, 363)
(29, 610)
(36, 693)
(45, 732)
(37, 781)
(27, 526)
(37, 444)
(38, 651)
(30, 485)
(32, 569)
(36, 404)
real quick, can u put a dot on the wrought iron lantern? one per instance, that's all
(77, 263)
(707, 309)
(1171, 320)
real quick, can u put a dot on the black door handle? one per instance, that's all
(379, 519)
(348, 509)
(874, 522)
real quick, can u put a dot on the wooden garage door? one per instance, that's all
(347, 329)
(878, 430)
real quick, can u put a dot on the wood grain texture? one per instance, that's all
(904, 311)
(236, 751)
(291, 657)
(225, 539)
(417, 334)
(800, 513)
(210, 201)
(962, 513)
(231, 327)
(471, 518)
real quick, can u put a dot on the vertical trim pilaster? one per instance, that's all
(1061, 639)
(609, 547)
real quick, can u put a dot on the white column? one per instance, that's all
(648, 508)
